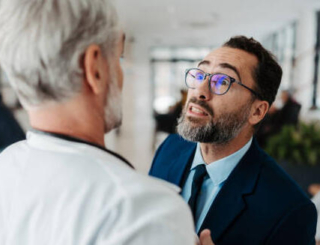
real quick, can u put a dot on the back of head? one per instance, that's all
(268, 72)
(43, 42)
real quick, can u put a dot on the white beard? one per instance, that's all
(113, 106)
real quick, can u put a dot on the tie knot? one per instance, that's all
(200, 173)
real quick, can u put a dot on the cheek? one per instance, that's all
(191, 93)
(221, 104)
(121, 79)
(120, 75)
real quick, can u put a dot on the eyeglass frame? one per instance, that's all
(232, 80)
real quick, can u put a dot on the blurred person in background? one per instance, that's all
(288, 114)
(267, 127)
(61, 185)
(167, 122)
(285, 113)
(10, 130)
(232, 186)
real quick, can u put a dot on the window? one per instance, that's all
(168, 70)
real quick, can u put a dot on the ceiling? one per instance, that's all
(206, 22)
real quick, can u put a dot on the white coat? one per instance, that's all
(59, 192)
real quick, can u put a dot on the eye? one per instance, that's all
(224, 82)
(220, 80)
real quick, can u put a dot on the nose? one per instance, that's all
(202, 91)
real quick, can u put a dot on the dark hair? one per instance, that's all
(268, 72)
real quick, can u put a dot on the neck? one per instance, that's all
(75, 118)
(214, 152)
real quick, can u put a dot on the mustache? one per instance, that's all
(202, 104)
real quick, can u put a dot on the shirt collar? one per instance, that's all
(35, 134)
(220, 170)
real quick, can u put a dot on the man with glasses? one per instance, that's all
(231, 185)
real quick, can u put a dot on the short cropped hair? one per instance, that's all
(43, 41)
(268, 72)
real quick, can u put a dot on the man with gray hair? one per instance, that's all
(62, 186)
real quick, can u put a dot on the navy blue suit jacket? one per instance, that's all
(258, 204)
(10, 130)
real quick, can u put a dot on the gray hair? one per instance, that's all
(42, 43)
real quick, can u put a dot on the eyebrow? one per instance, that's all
(231, 67)
(223, 65)
(204, 62)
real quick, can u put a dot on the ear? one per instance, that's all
(93, 68)
(258, 111)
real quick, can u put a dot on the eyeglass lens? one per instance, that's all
(219, 83)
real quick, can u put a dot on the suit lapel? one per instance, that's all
(180, 165)
(230, 201)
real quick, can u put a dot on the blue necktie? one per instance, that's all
(197, 181)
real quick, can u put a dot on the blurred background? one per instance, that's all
(163, 38)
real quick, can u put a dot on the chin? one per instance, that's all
(117, 125)
(109, 126)
(196, 121)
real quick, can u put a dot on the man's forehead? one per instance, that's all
(230, 58)
(230, 55)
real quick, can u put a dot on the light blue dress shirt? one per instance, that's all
(218, 172)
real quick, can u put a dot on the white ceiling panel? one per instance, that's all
(206, 22)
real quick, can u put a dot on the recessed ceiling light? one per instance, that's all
(204, 22)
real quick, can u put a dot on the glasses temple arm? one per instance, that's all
(251, 90)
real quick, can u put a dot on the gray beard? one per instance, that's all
(222, 131)
(113, 106)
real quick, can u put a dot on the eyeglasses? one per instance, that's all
(218, 83)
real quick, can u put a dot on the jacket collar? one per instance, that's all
(230, 201)
(181, 164)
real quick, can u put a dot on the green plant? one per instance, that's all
(299, 145)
